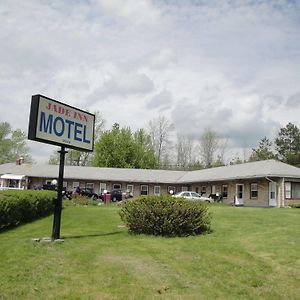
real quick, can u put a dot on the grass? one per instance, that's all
(252, 253)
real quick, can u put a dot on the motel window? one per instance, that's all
(296, 190)
(75, 185)
(184, 188)
(65, 185)
(288, 190)
(157, 190)
(116, 186)
(224, 190)
(89, 186)
(171, 188)
(144, 190)
(102, 187)
(203, 190)
(253, 190)
(129, 189)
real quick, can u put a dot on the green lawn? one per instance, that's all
(252, 253)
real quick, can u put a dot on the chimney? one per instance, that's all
(20, 161)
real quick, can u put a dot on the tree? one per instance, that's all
(145, 155)
(236, 160)
(120, 148)
(184, 152)
(263, 152)
(81, 158)
(288, 144)
(208, 147)
(159, 130)
(12, 144)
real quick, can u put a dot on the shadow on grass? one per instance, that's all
(92, 235)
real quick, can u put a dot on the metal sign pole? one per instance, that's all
(58, 200)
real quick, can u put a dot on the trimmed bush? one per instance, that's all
(18, 207)
(165, 216)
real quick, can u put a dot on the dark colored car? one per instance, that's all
(88, 193)
(52, 187)
(116, 195)
(216, 197)
(49, 187)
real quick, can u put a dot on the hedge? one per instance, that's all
(18, 207)
(165, 216)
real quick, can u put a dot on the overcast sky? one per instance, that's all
(233, 66)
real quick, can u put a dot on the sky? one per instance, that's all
(231, 66)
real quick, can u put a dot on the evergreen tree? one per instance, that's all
(263, 152)
(288, 144)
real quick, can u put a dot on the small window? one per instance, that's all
(75, 185)
(203, 190)
(184, 188)
(224, 190)
(157, 190)
(253, 190)
(116, 186)
(296, 190)
(102, 187)
(144, 190)
(288, 190)
(129, 188)
(90, 186)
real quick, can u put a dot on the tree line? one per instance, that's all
(154, 148)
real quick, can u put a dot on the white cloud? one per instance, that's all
(140, 12)
(229, 65)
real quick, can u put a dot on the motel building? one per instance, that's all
(267, 183)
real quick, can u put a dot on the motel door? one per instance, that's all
(272, 194)
(239, 192)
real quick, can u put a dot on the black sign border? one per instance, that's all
(35, 101)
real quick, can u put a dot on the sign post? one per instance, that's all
(58, 200)
(56, 123)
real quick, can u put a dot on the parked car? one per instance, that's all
(88, 193)
(116, 195)
(217, 197)
(189, 195)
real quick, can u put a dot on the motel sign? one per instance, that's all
(56, 123)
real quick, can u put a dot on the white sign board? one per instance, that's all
(57, 123)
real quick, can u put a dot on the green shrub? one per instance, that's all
(295, 205)
(82, 200)
(165, 216)
(17, 207)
